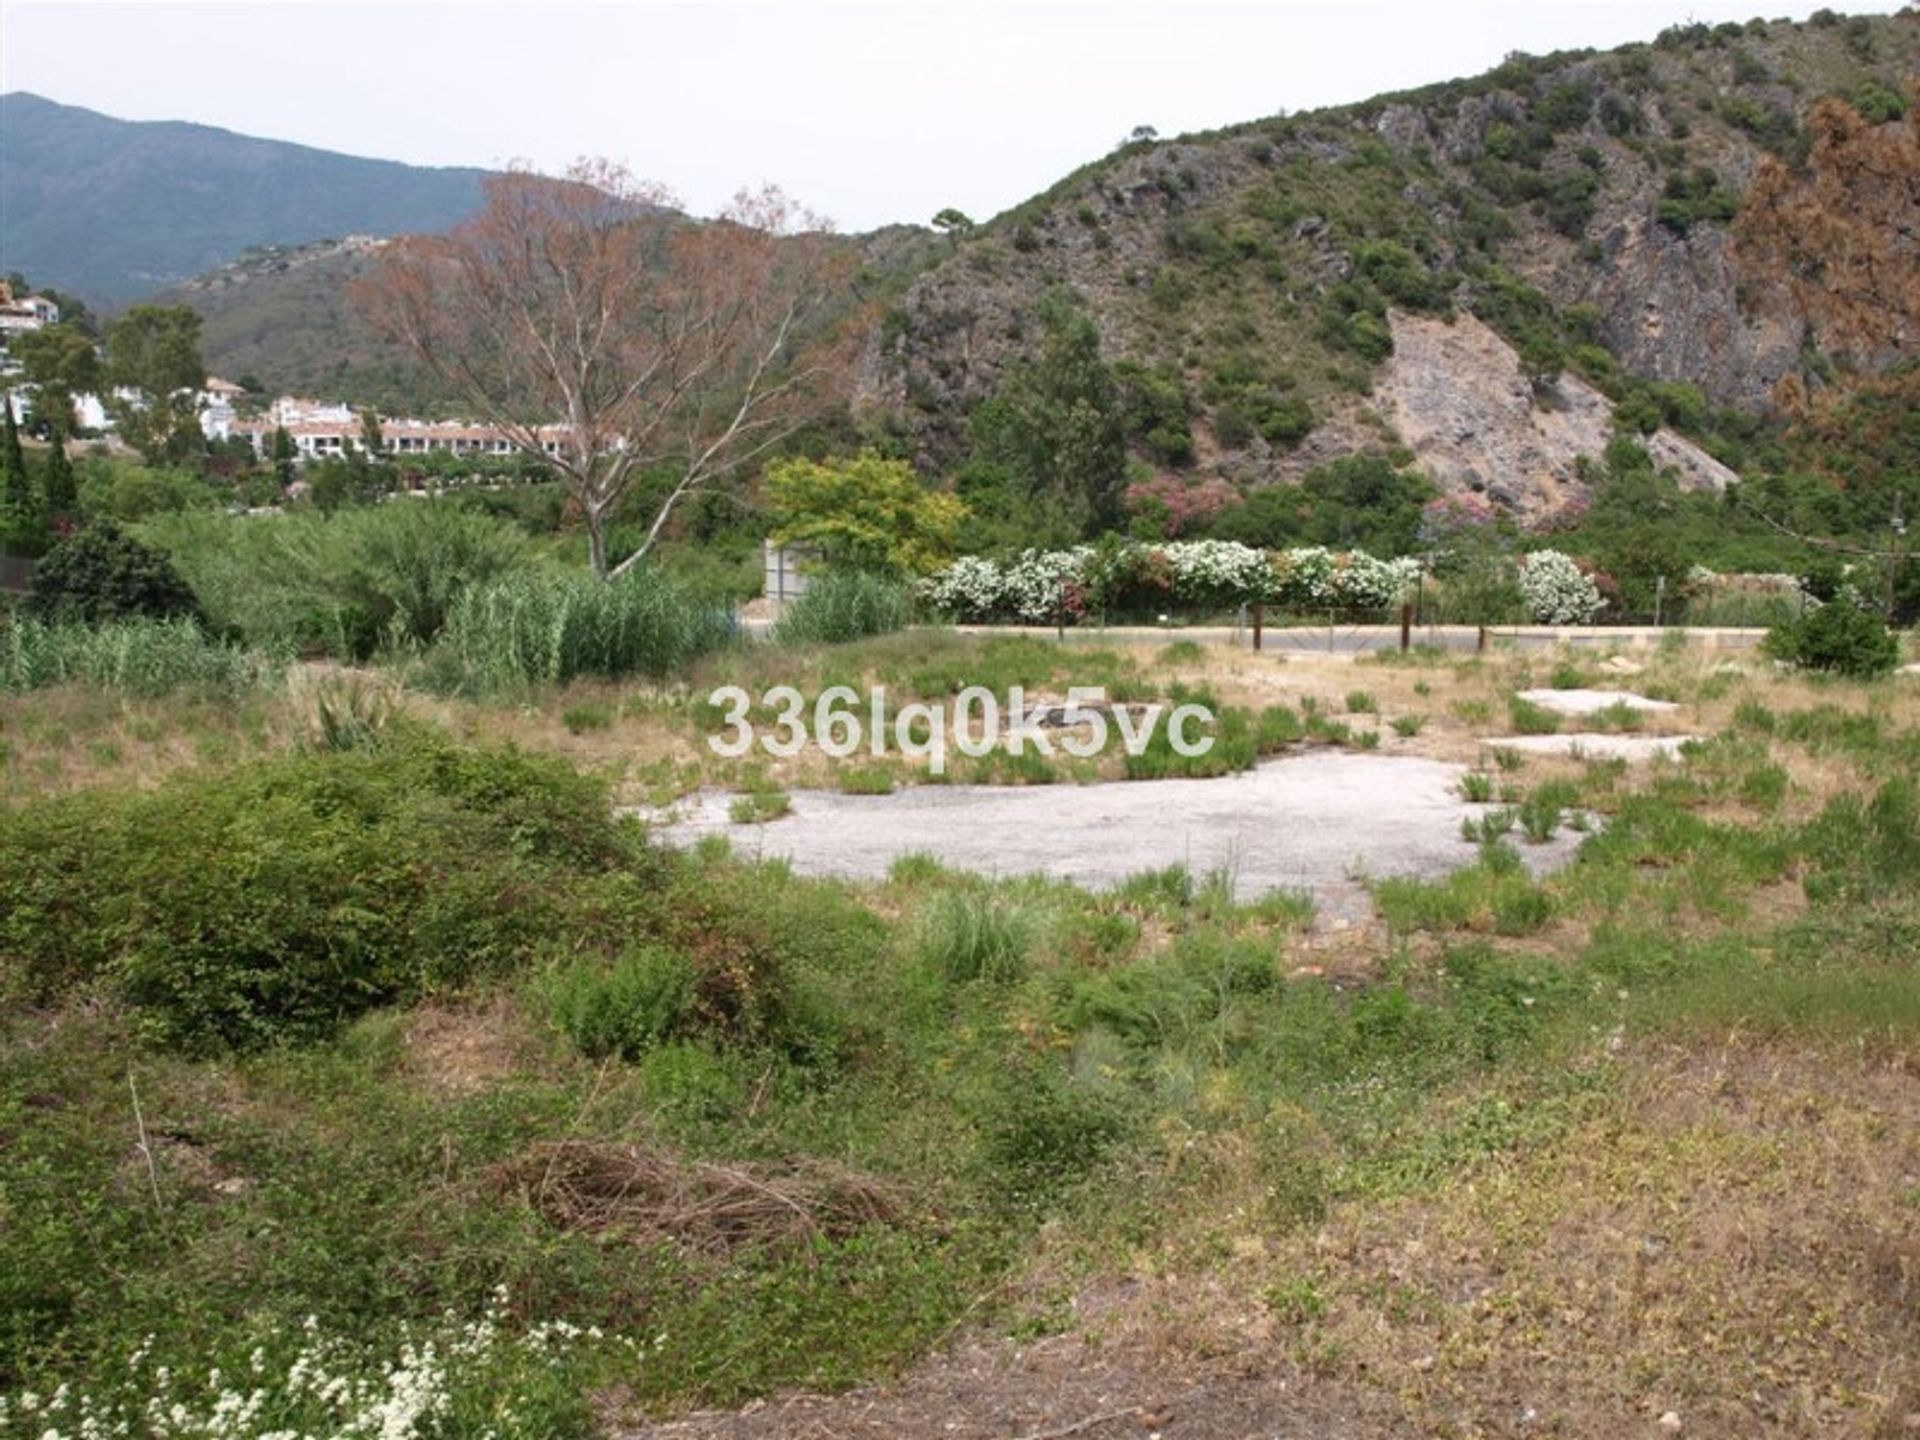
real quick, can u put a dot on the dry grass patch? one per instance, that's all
(647, 1195)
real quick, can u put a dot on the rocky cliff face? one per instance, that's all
(1574, 210)
(1457, 396)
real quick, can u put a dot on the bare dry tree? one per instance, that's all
(586, 313)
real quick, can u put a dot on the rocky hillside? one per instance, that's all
(1478, 271)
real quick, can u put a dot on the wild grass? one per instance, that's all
(966, 936)
(541, 627)
(137, 657)
(345, 584)
(842, 606)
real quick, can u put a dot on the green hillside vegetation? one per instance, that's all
(116, 209)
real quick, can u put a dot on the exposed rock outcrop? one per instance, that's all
(1459, 398)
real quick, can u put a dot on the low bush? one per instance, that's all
(842, 606)
(244, 909)
(624, 1009)
(1841, 637)
(98, 574)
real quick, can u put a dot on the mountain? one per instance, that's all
(115, 209)
(1478, 273)
(1487, 278)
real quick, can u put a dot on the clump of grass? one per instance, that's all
(1471, 712)
(1567, 676)
(1528, 718)
(1362, 702)
(1476, 787)
(757, 807)
(1182, 652)
(968, 935)
(842, 606)
(1168, 889)
(349, 713)
(586, 718)
(916, 867)
(865, 780)
(1409, 725)
(1493, 825)
(1506, 757)
(1618, 716)
(1277, 727)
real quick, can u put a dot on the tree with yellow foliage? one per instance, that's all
(867, 513)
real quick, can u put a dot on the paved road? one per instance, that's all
(1359, 639)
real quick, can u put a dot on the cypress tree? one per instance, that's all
(63, 496)
(16, 488)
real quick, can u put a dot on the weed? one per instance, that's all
(967, 935)
(1529, 718)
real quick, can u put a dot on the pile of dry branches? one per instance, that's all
(650, 1195)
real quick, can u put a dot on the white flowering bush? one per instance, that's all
(1558, 591)
(1042, 585)
(968, 589)
(1039, 586)
(469, 1378)
(1218, 572)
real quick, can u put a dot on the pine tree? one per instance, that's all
(63, 497)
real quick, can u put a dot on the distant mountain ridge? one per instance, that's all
(112, 210)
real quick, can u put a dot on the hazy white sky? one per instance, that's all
(869, 112)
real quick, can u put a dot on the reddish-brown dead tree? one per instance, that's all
(1839, 239)
(653, 340)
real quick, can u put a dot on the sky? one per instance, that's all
(867, 112)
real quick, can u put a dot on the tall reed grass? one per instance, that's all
(836, 608)
(544, 627)
(140, 657)
(341, 584)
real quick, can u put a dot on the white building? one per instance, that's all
(25, 312)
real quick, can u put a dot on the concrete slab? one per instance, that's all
(1317, 821)
(1634, 749)
(1586, 702)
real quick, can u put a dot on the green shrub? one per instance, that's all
(842, 606)
(99, 574)
(1841, 637)
(547, 627)
(644, 998)
(1041, 1131)
(272, 904)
